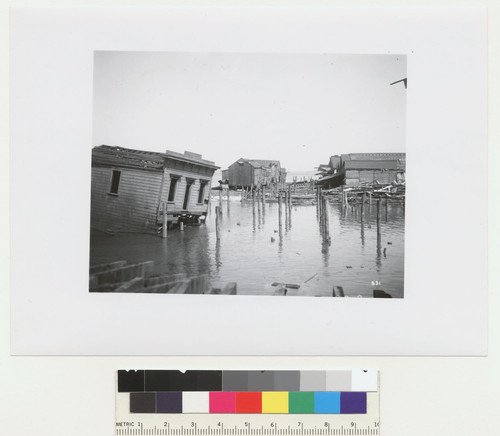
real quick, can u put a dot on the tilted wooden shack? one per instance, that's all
(130, 186)
(247, 173)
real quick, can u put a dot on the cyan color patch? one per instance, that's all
(327, 402)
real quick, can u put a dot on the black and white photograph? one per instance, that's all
(186, 180)
(270, 174)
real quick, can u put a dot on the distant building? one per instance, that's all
(129, 187)
(371, 167)
(245, 173)
(354, 169)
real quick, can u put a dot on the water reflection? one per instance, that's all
(345, 249)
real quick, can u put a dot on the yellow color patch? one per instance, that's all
(274, 402)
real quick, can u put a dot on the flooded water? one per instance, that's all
(252, 254)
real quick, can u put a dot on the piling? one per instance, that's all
(362, 206)
(220, 196)
(181, 226)
(164, 223)
(280, 213)
(378, 214)
(290, 206)
(379, 236)
(228, 202)
(285, 194)
(325, 217)
(263, 200)
(386, 208)
(217, 221)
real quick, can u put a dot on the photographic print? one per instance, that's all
(275, 174)
(222, 175)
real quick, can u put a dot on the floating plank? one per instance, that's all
(107, 266)
(287, 285)
(121, 274)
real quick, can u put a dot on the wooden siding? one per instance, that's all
(355, 177)
(193, 206)
(240, 175)
(133, 209)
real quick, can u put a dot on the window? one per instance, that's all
(201, 194)
(173, 184)
(115, 181)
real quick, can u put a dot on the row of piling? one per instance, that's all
(259, 202)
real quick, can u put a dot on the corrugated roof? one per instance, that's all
(375, 161)
(371, 165)
(152, 160)
(258, 163)
(125, 157)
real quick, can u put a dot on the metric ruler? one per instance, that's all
(212, 403)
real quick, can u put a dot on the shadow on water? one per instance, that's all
(354, 252)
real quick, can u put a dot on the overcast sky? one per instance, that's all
(296, 108)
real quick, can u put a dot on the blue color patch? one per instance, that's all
(327, 402)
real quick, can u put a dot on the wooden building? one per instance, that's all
(370, 167)
(354, 169)
(129, 188)
(245, 173)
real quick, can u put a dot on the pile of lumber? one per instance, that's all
(374, 189)
(137, 278)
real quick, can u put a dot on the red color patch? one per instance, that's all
(248, 402)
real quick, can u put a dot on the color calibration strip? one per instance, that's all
(362, 380)
(257, 392)
(248, 402)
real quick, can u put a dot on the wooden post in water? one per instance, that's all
(217, 221)
(379, 237)
(258, 202)
(362, 206)
(287, 208)
(323, 220)
(378, 215)
(280, 212)
(228, 202)
(290, 206)
(164, 221)
(220, 196)
(325, 213)
(386, 208)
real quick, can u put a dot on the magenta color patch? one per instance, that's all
(222, 402)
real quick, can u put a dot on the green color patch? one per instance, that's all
(301, 402)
